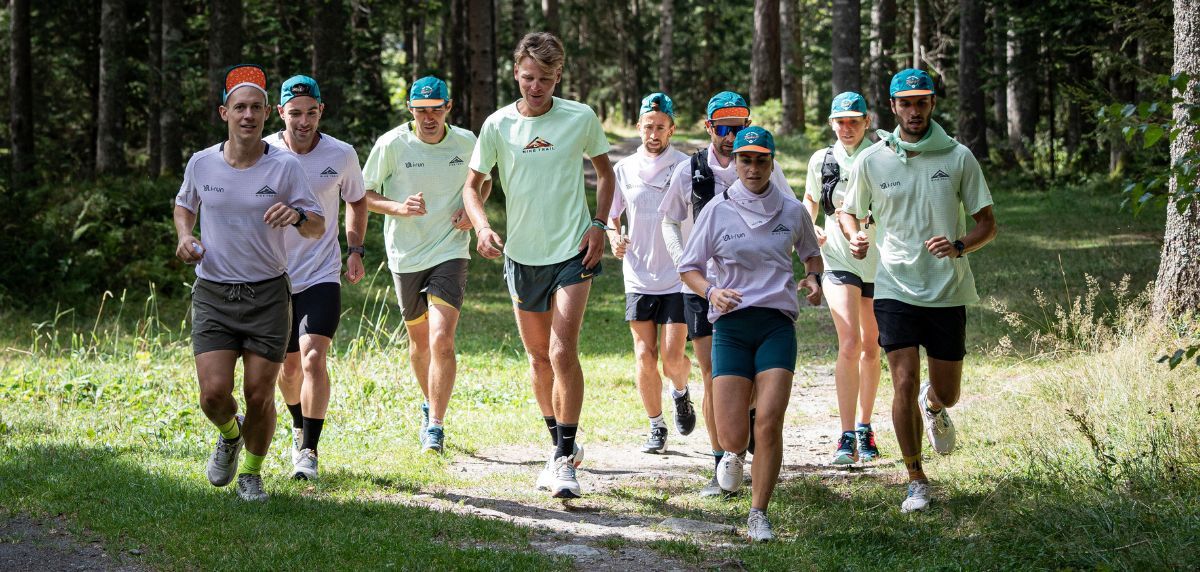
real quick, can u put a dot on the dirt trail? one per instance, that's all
(45, 544)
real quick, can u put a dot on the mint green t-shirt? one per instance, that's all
(836, 250)
(541, 169)
(401, 165)
(913, 202)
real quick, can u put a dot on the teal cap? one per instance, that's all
(911, 83)
(657, 101)
(428, 91)
(848, 104)
(727, 104)
(756, 139)
(299, 86)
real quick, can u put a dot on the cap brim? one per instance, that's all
(726, 112)
(426, 102)
(754, 148)
(847, 114)
(913, 93)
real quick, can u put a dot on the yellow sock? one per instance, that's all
(252, 464)
(915, 471)
(230, 429)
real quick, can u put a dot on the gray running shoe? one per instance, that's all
(297, 444)
(424, 423)
(758, 528)
(545, 478)
(685, 414)
(937, 425)
(918, 497)
(656, 443)
(712, 489)
(434, 439)
(250, 488)
(223, 463)
(305, 468)
(565, 486)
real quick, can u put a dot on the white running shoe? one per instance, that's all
(730, 472)
(250, 488)
(297, 444)
(918, 497)
(223, 463)
(565, 486)
(937, 425)
(712, 489)
(758, 528)
(545, 479)
(305, 468)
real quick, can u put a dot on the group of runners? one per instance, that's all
(706, 244)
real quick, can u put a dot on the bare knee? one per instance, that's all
(443, 348)
(539, 361)
(213, 400)
(849, 348)
(313, 359)
(948, 396)
(291, 369)
(646, 354)
(676, 366)
(563, 356)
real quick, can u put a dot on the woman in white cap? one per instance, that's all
(848, 283)
(749, 232)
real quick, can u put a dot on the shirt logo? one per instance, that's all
(213, 189)
(329, 172)
(886, 186)
(456, 161)
(780, 229)
(266, 192)
(728, 237)
(538, 144)
(938, 176)
(411, 165)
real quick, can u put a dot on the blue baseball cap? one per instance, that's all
(756, 139)
(848, 104)
(657, 101)
(299, 86)
(428, 91)
(727, 104)
(911, 83)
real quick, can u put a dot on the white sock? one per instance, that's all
(658, 422)
(676, 393)
(435, 422)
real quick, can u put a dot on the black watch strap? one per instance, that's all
(361, 250)
(302, 219)
(960, 247)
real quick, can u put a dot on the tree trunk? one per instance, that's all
(665, 30)
(368, 67)
(154, 89)
(764, 61)
(1080, 72)
(999, 37)
(583, 69)
(790, 72)
(20, 102)
(846, 50)
(291, 46)
(1023, 95)
(1123, 89)
(921, 32)
(972, 121)
(460, 89)
(331, 54)
(520, 25)
(172, 64)
(550, 13)
(482, 61)
(883, 38)
(110, 152)
(1177, 289)
(224, 50)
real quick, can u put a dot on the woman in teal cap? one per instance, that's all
(848, 283)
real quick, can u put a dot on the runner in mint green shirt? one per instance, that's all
(554, 242)
(416, 173)
(917, 182)
(848, 283)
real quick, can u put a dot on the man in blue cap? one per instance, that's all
(314, 266)
(917, 182)
(415, 174)
(653, 292)
(694, 183)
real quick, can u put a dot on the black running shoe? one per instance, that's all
(685, 414)
(657, 442)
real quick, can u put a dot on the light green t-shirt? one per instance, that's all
(541, 169)
(836, 250)
(913, 202)
(401, 165)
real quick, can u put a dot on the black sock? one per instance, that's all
(717, 458)
(566, 440)
(297, 416)
(552, 425)
(312, 432)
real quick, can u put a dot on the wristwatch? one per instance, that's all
(960, 247)
(361, 250)
(303, 217)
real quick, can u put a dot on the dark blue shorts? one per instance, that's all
(747, 342)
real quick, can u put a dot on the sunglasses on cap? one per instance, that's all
(723, 130)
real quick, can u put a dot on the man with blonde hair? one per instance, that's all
(554, 242)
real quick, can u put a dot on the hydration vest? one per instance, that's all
(831, 173)
(704, 183)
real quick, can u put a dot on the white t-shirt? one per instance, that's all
(641, 186)
(333, 172)
(231, 203)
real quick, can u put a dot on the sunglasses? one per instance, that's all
(723, 130)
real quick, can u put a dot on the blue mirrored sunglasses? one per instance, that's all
(723, 130)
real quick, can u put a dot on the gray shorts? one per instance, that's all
(531, 287)
(447, 281)
(255, 317)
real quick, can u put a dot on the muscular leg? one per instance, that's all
(291, 378)
(868, 365)
(442, 324)
(845, 308)
(945, 379)
(675, 364)
(774, 390)
(418, 353)
(905, 365)
(534, 328)
(568, 306)
(259, 389)
(314, 396)
(214, 371)
(645, 352)
(731, 403)
(703, 349)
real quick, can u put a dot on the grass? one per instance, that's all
(1074, 450)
